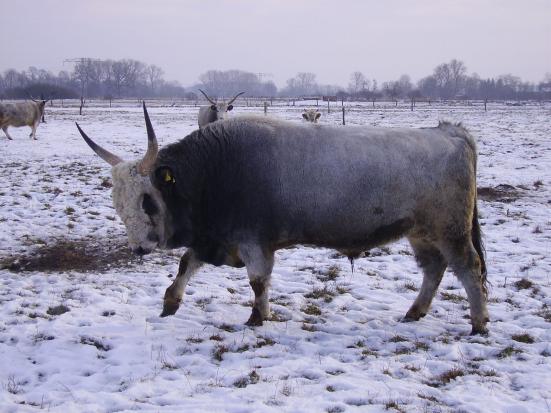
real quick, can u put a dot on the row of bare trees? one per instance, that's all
(93, 78)
(451, 81)
(230, 82)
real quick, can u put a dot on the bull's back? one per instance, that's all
(328, 185)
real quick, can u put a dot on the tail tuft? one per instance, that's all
(479, 247)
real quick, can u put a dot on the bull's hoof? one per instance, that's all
(170, 308)
(481, 330)
(412, 316)
(255, 320)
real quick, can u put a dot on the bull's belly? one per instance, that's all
(15, 124)
(350, 238)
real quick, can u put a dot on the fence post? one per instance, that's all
(485, 102)
(328, 109)
(265, 108)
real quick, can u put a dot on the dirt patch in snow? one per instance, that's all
(83, 255)
(500, 193)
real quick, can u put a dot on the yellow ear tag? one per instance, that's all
(169, 178)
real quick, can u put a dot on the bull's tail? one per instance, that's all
(476, 236)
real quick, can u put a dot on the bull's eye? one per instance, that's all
(148, 205)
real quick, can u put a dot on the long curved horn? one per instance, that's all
(145, 165)
(235, 97)
(104, 154)
(209, 99)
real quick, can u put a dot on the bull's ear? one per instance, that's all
(230, 107)
(318, 115)
(213, 107)
(305, 116)
(164, 176)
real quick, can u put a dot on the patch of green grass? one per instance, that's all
(218, 352)
(58, 310)
(393, 404)
(447, 377)
(368, 352)
(508, 352)
(311, 309)
(331, 274)
(419, 345)
(227, 327)
(524, 284)
(325, 293)
(264, 341)
(397, 339)
(402, 350)
(454, 298)
(523, 338)
(408, 285)
(545, 313)
(413, 368)
(94, 342)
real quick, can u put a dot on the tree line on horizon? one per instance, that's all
(128, 78)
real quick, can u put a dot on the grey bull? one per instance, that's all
(216, 111)
(21, 114)
(236, 191)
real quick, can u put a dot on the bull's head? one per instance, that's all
(137, 202)
(221, 108)
(311, 115)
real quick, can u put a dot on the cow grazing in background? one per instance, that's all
(216, 111)
(311, 115)
(236, 191)
(21, 114)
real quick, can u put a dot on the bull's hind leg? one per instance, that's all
(465, 263)
(259, 265)
(33, 131)
(5, 129)
(189, 264)
(433, 265)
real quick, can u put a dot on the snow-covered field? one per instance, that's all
(79, 325)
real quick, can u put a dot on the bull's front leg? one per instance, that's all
(259, 262)
(5, 129)
(189, 264)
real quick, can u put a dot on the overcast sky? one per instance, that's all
(383, 39)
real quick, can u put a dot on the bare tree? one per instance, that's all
(358, 82)
(404, 85)
(154, 76)
(458, 70)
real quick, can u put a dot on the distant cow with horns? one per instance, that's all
(236, 191)
(216, 111)
(21, 114)
(311, 115)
